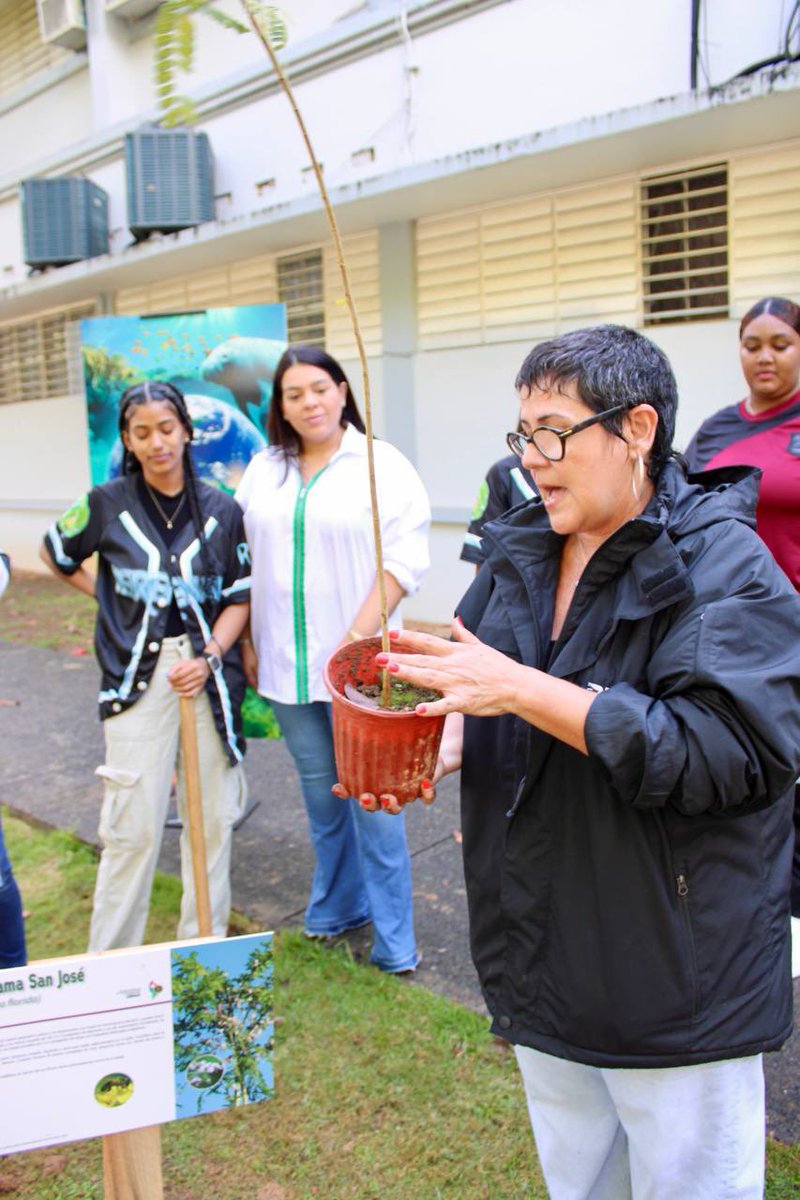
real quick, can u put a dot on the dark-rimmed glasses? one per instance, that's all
(550, 442)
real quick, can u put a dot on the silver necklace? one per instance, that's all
(168, 521)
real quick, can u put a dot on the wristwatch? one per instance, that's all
(213, 660)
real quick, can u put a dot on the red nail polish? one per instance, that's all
(381, 659)
(426, 783)
(458, 621)
(422, 709)
(393, 667)
(394, 633)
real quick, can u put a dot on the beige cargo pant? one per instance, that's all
(142, 752)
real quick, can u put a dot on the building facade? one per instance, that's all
(503, 170)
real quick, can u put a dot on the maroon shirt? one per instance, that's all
(770, 441)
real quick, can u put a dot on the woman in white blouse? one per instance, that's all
(307, 516)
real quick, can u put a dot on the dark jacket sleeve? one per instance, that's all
(493, 499)
(719, 730)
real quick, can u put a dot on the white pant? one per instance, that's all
(671, 1133)
(142, 752)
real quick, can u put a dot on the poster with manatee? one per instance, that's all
(223, 360)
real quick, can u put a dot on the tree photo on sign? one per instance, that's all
(222, 1025)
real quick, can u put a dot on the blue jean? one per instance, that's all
(12, 929)
(363, 871)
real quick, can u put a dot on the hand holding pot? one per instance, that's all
(448, 760)
(471, 676)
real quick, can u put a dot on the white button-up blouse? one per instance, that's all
(313, 562)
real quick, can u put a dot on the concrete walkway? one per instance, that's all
(51, 743)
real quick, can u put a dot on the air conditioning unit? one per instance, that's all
(170, 176)
(131, 10)
(64, 220)
(62, 23)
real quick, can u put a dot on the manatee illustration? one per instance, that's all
(246, 366)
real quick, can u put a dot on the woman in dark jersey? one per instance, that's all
(763, 430)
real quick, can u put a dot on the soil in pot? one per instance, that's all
(403, 697)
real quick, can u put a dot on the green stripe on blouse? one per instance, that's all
(298, 587)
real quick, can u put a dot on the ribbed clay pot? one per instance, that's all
(377, 750)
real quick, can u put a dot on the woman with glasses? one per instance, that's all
(629, 909)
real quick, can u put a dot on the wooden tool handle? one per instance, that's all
(194, 813)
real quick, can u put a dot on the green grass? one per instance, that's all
(40, 610)
(383, 1089)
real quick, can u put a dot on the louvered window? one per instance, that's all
(40, 359)
(22, 51)
(301, 288)
(685, 245)
(530, 268)
(765, 224)
(249, 281)
(361, 252)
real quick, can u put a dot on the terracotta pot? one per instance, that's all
(377, 750)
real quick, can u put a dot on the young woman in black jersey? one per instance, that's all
(172, 591)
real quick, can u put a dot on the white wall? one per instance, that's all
(44, 466)
(45, 124)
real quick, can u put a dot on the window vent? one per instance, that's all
(38, 358)
(62, 22)
(301, 289)
(685, 245)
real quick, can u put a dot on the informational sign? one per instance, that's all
(105, 1043)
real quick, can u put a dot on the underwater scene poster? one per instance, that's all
(223, 360)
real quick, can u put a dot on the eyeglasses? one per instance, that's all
(551, 442)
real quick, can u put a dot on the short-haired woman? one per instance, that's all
(172, 595)
(629, 911)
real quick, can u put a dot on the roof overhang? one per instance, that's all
(756, 110)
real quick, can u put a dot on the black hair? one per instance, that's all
(776, 306)
(609, 365)
(162, 392)
(279, 431)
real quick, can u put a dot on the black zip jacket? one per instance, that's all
(630, 907)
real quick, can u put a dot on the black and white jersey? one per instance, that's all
(140, 575)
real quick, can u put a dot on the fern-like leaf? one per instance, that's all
(224, 20)
(271, 22)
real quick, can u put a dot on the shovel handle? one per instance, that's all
(194, 812)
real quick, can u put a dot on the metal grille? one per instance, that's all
(301, 288)
(38, 358)
(22, 51)
(685, 245)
